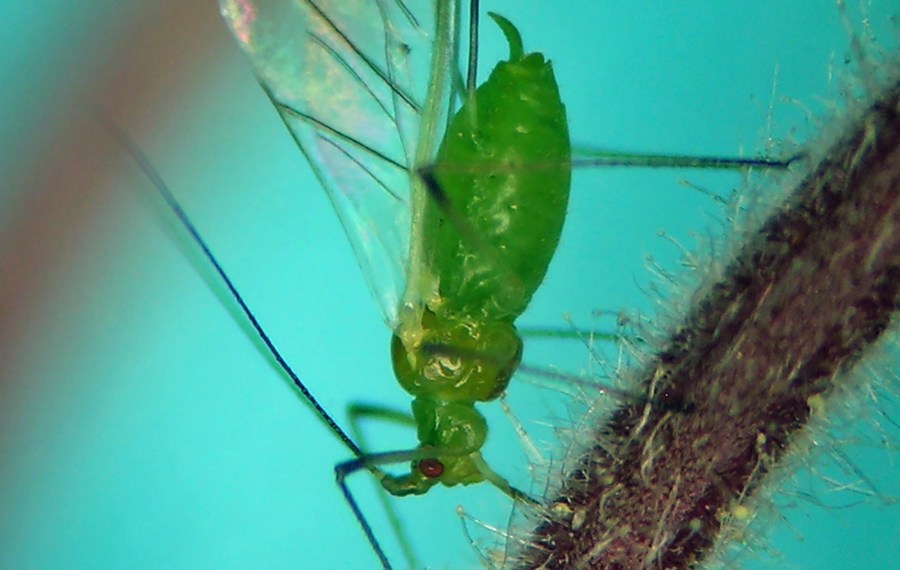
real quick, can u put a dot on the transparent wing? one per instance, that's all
(364, 87)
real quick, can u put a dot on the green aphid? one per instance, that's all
(503, 172)
(454, 213)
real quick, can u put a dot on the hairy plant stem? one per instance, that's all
(805, 296)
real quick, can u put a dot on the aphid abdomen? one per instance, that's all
(505, 167)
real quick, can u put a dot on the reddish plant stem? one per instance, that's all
(803, 298)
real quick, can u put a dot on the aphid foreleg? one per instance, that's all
(370, 462)
(501, 483)
(357, 412)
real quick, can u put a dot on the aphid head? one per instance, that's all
(455, 432)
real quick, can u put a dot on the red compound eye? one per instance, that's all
(431, 468)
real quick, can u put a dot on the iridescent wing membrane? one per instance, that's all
(350, 79)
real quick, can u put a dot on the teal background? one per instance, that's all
(140, 428)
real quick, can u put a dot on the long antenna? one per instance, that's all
(162, 188)
(119, 135)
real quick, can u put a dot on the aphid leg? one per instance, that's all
(357, 412)
(501, 483)
(370, 462)
(360, 517)
(665, 402)
(559, 333)
(586, 157)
